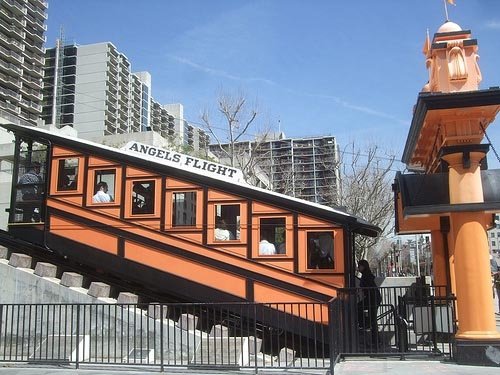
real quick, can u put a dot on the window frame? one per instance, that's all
(211, 210)
(307, 249)
(169, 202)
(338, 250)
(158, 187)
(288, 235)
(151, 209)
(91, 183)
(54, 183)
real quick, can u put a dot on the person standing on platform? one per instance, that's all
(371, 299)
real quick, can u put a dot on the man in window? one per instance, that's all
(266, 247)
(101, 195)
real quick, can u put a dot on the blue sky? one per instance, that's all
(352, 69)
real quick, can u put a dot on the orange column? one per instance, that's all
(476, 319)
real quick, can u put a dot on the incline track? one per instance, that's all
(41, 254)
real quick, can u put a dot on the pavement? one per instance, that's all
(348, 367)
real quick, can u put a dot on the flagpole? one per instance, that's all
(446, 10)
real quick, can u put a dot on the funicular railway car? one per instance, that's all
(176, 224)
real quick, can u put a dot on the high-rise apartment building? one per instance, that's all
(306, 168)
(192, 137)
(22, 38)
(92, 88)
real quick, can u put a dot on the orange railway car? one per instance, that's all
(177, 225)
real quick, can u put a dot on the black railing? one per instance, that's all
(230, 335)
(417, 319)
(239, 335)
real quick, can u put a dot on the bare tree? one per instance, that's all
(365, 190)
(236, 144)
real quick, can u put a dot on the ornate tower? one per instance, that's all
(451, 194)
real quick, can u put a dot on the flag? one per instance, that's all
(452, 2)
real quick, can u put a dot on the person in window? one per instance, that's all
(72, 183)
(266, 247)
(281, 248)
(370, 301)
(101, 195)
(320, 258)
(221, 232)
(31, 193)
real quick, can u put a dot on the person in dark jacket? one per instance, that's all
(371, 299)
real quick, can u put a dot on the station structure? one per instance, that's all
(450, 193)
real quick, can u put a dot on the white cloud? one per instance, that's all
(494, 24)
(220, 73)
(354, 107)
(337, 100)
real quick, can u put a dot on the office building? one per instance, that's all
(22, 38)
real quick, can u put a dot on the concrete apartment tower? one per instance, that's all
(190, 136)
(306, 168)
(92, 89)
(22, 38)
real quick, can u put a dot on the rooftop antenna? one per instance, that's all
(446, 2)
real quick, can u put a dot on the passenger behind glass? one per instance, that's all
(31, 192)
(266, 247)
(101, 193)
(221, 233)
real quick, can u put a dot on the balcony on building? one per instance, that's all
(12, 18)
(124, 61)
(123, 101)
(32, 57)
(123, 87)
(37, 10)
(33, 46)
(10, 107)
(112, 67)
(111, 100)
(113, 81)
(124, 76)
(111, 116)
(9, 67)
(34, 82)
(32, 94)
(16, 7)
(35, 22)
(38, 36)
(122, 127)
(122, 115)
(12, 82)
(10, 56)
(33, 69)
(11, 42)
(10, 94)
